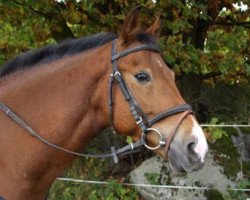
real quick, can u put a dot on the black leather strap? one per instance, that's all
(114, 152)
(168, 113)
(117, 56)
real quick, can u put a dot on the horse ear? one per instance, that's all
(155, 29)
(131, 26)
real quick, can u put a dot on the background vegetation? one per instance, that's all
(209, 38)
(206, 43)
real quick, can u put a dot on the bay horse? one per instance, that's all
(68, 93)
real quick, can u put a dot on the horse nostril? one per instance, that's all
(196, 150)
(191, 146)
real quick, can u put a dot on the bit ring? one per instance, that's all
(161, 142)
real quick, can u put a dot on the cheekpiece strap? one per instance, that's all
(116, 75)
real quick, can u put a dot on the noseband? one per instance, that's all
(140, 117)
(144, 122)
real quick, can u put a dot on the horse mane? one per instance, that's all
(54, 52)
(34, 58)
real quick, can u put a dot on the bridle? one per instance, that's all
(140, 117)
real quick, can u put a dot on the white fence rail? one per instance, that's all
(150, 185)
(226, 125)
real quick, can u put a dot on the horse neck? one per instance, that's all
(64, 102)
(69, 92)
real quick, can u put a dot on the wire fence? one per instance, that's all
(152, 185)
(226, 125)
(65, 179)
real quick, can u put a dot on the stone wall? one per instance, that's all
(155, 171)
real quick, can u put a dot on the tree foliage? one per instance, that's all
(209, 38)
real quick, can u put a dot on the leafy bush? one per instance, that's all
(113, 191)
(216, 132)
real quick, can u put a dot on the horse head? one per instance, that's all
(153, 108)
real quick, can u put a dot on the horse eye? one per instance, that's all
(143, 77)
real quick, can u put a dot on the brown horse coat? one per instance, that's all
(64, 99)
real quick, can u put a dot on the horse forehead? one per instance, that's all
(153, 59)
(146, 59)
(145, 56)
(135, 59)
(159, 63)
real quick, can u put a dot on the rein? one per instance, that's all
(140, 117)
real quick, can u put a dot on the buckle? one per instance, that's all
(114, 156)
(117, 73)
(138, 121)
